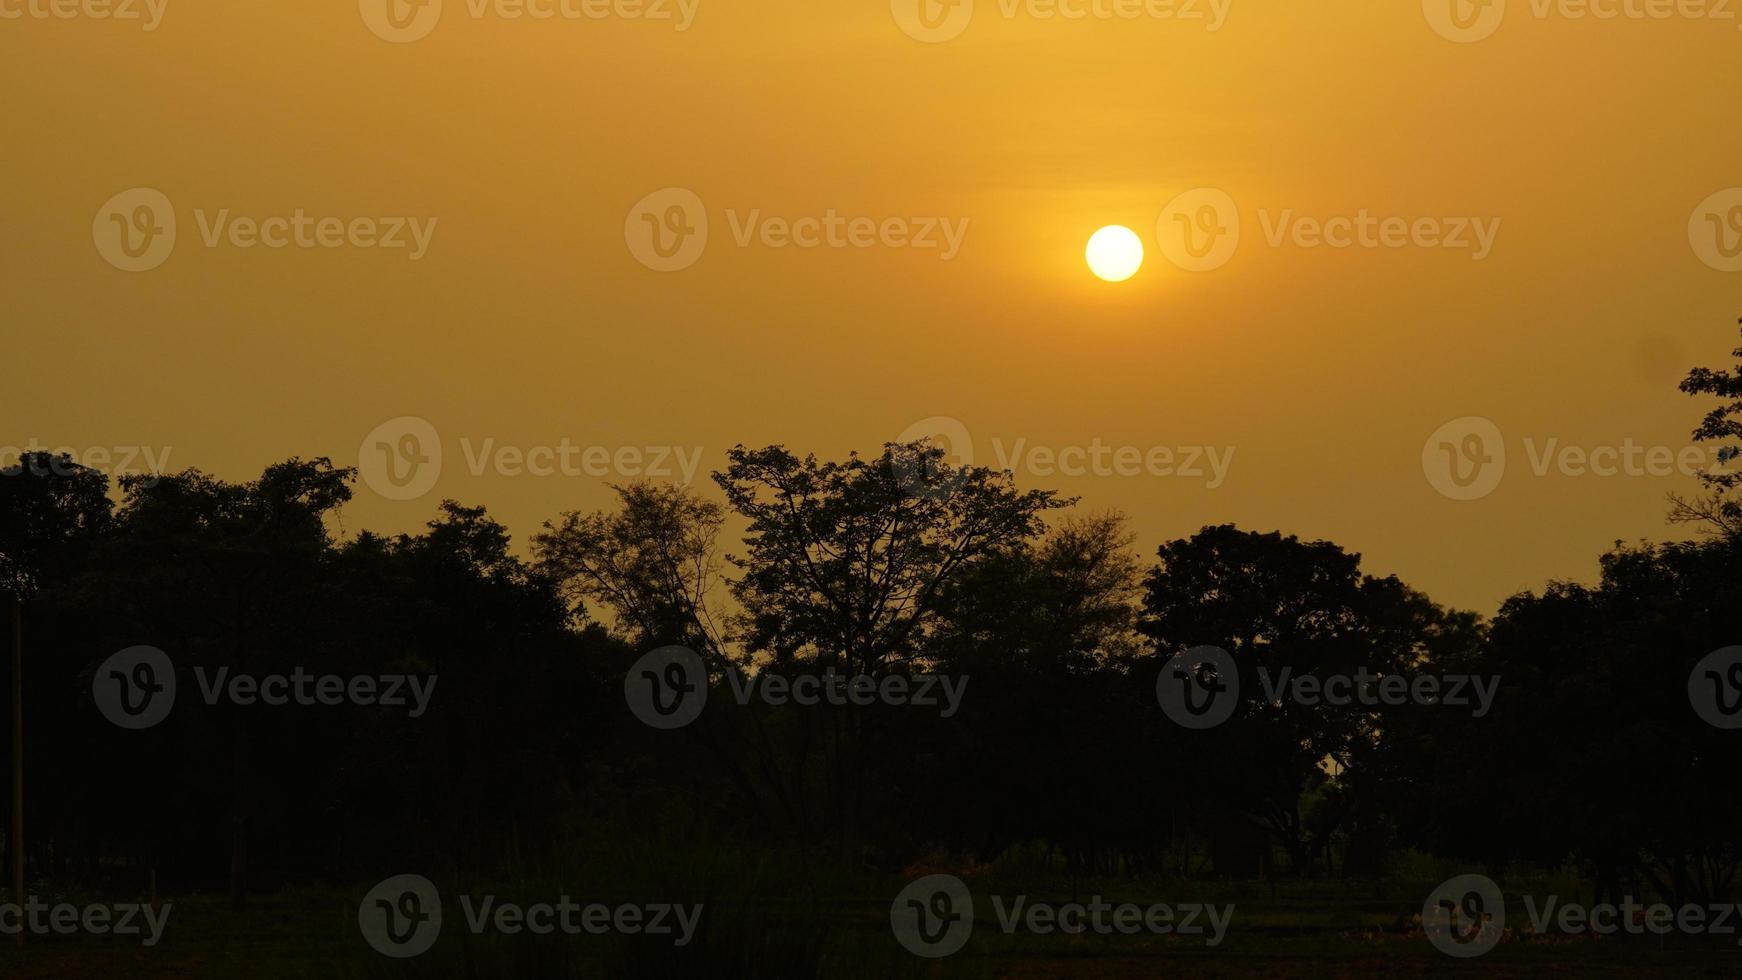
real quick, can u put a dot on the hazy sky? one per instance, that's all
(1517, 204)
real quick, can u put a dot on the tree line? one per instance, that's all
(888, 564)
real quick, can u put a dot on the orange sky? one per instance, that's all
(522, 147)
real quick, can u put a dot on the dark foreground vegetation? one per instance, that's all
(1589, 775)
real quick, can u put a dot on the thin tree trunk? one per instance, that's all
(239, 817)
(16, 840)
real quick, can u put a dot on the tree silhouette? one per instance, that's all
(846, 562)
(1278, 604)
(652, 563)
(229, 575)
(1720, 509)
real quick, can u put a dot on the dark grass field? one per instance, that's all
(1295, 929)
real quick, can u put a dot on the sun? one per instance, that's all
(1114, 253)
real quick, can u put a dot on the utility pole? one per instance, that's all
(17, 839)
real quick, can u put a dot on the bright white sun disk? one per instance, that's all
(1114, 253)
